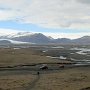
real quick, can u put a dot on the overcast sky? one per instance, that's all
(58, 18)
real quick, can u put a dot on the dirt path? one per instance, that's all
(33, 83)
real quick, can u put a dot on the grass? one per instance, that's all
(15, 82)
(35, 55)
(70, 79)
(22, 56)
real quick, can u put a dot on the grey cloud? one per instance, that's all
(84, 1)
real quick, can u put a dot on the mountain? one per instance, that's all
(82, 40)
(39, 38)
(62, 40)
(34, 38)
(5, 42)
(13, 35)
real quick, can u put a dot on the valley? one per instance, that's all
(25, 60)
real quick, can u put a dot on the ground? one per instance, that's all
(70, 79)
(15, 82)
(66, 79)
(76, 78)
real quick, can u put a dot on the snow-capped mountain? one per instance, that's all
(9, 37)
(19, 34)
(34, 38)
(5, 42)
(40, 38)
(27, 37)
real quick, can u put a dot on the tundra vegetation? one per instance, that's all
(77, 78)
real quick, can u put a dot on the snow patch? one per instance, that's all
(58, 47)
(62, 57)
(82, 51)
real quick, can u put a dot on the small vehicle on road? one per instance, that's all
(44, 67)
(61, 66)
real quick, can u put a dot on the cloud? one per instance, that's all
(8, 15)
(48, 13)
(7, 31)
(67, 35)
(84, 1)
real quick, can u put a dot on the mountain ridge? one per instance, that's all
(41, 38)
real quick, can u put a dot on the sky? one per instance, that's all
(56, 18)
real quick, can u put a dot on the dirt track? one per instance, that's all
(33, 70)
(32, 84)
